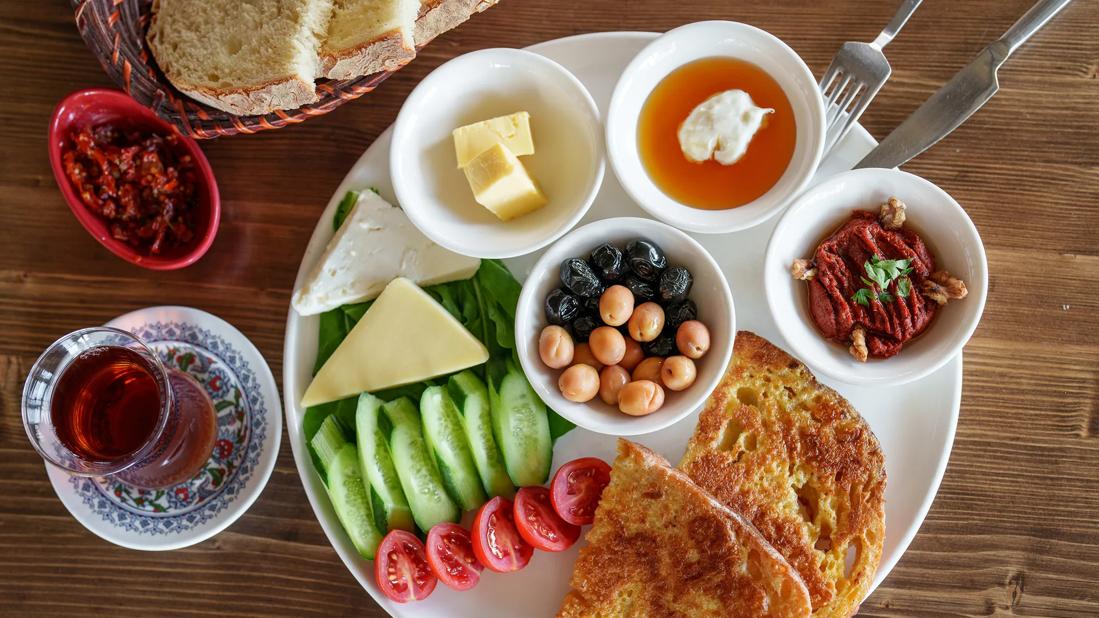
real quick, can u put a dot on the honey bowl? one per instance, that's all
(680, 70)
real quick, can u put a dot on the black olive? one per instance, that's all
(678, 313)
(590, 306)
(642, 291)
(580, 279)
(645, 259)
(583, 326)
(675, 284)
(608, 262)
(664, 345)
(561, 307)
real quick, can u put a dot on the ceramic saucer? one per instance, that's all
(249, 423)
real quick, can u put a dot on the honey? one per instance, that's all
(710, 185)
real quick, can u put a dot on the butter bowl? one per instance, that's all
(681, 47)
(568, 161)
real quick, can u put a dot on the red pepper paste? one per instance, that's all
(141, 184)
(840, 260)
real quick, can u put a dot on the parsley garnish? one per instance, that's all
(879, 274)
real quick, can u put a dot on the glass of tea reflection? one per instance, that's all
(99, 402)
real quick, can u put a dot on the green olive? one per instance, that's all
(611, 381)
(646, 322)
(616, 305)
(678, 372)
(555, 347)
(649, 369)
(579, 383)
(693, 339)
(607, 345)
(582, 356)
(640, 397)
(634, 354)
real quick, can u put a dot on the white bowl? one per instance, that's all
(946, 229)
(705, 40)
(710, 293)
(568, 160)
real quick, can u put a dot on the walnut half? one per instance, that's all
(858, 344)
(942, 287)
(892, 214)
(802, 270)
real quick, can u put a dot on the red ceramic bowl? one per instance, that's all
(96, 106)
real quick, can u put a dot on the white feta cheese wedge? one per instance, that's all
(721, 127)
(376, 244)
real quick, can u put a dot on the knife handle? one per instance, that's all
(1031, 22)
(907, 8)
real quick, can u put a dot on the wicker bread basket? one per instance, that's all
(115, 32)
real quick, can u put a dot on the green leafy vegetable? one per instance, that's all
(879, 274)
(344, 209)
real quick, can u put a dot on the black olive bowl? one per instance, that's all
(709, 292)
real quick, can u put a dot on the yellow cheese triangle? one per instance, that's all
(405, 337)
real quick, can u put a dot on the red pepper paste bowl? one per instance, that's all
(97, 106)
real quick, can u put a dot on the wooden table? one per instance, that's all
(1015, 526)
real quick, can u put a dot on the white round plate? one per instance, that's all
(246, 399)
(915, 422)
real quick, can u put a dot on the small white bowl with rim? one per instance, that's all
(682, 46)
(947, 231)
(568, 160)
(710, 292)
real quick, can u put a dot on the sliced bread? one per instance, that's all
(368, 36)
(248, 57)
(438, 16)
(797, 460)
(661, 546)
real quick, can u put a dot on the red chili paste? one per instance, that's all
(141, 184)
(840, 260)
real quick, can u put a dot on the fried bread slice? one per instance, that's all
(797, 460)
(660, 546)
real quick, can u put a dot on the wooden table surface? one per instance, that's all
(1015, 526)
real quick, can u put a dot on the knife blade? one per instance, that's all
(960, 97)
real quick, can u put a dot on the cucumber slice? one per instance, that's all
(520, 425)
(386, 496)
(446, 440)
(471, 396)
(420, 479)
(346, 487)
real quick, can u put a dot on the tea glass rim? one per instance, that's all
(91, 468)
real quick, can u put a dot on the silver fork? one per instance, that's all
(856, 74)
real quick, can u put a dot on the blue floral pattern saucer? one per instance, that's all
(249, 427)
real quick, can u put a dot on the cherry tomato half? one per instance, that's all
(401, 569)
(539, 524)
(576, 488)
(496, 542)
(450, 554)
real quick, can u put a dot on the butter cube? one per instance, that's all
(513, 132)
(501, 184)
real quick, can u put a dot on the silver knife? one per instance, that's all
(964, 94)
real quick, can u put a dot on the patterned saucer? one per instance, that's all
(249, 429)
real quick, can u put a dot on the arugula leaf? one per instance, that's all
(344, 208)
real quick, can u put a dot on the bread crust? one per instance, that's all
(439, 16)
(388, 52)
(801, 464)
(661, 546)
